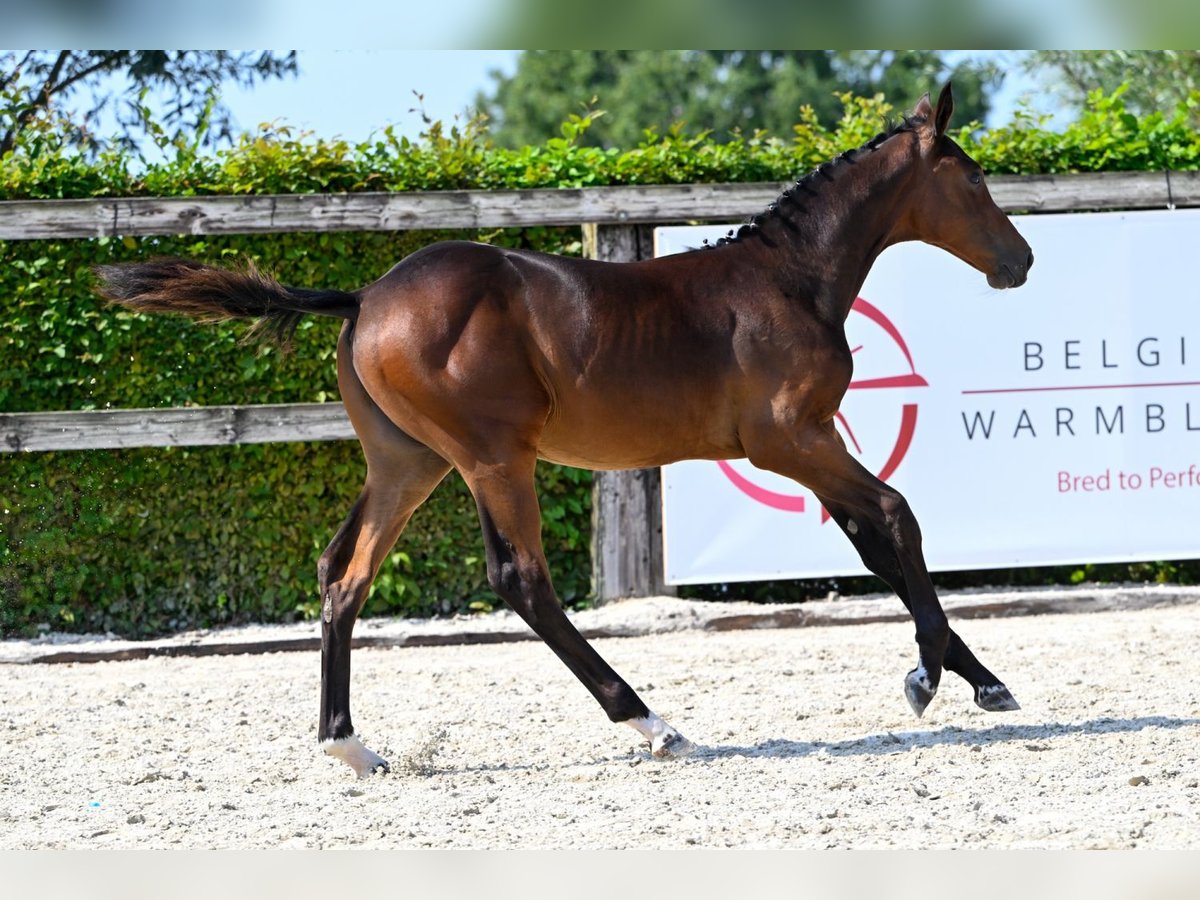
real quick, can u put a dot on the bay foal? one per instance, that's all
(485, 359)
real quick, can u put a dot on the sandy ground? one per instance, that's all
(806, 741)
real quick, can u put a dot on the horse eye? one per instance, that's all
(976, 177)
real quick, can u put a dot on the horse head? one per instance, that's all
(951, 208)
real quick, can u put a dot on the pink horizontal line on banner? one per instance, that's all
(1084, 387)
(892, 381)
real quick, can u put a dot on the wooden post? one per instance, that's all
(627, 549)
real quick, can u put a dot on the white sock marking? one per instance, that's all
(923, 677)
(354, 753)
(664, 740)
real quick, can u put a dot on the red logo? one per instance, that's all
(876, 328)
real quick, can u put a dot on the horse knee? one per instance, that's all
(893, 506)
(898, 519)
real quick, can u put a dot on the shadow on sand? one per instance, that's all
(1037, 737)
(1041, 736)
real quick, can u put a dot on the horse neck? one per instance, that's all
(842, 226)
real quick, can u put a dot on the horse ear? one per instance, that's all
(923, 109)
(945, 109)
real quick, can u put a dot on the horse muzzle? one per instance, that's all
(1011, 274)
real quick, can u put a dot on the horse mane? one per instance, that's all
(809, 184)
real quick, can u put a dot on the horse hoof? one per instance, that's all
(995, 698)
(357, 756)
(671, 745)
(918, 690)
(664, 740)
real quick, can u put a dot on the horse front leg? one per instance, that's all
(878, 555)
(817, 459)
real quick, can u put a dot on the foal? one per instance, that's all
(484, 360)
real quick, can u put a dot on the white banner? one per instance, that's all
(1055, 423)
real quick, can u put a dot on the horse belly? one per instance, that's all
(635, 430)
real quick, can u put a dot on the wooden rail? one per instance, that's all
(198, 426)
(641, 204)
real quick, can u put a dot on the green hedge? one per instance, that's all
(146, 541)
(277, 159)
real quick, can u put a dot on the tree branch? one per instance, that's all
(52, 87)
(16, 72)
(105, 63)
(41, 101)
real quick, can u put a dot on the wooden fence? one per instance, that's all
(618, 226)
(646, 204)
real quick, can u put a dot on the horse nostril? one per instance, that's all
(1029, 261)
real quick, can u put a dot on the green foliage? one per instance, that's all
(34, 84)
(278, 159)
(145, 541)
(1107, 136)
(726, 92)
(1153, 80)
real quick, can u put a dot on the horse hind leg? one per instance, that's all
(517, 571)
(401, 473)
(345, 572)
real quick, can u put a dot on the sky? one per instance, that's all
(350, 93)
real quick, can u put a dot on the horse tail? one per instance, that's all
(211, 294)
